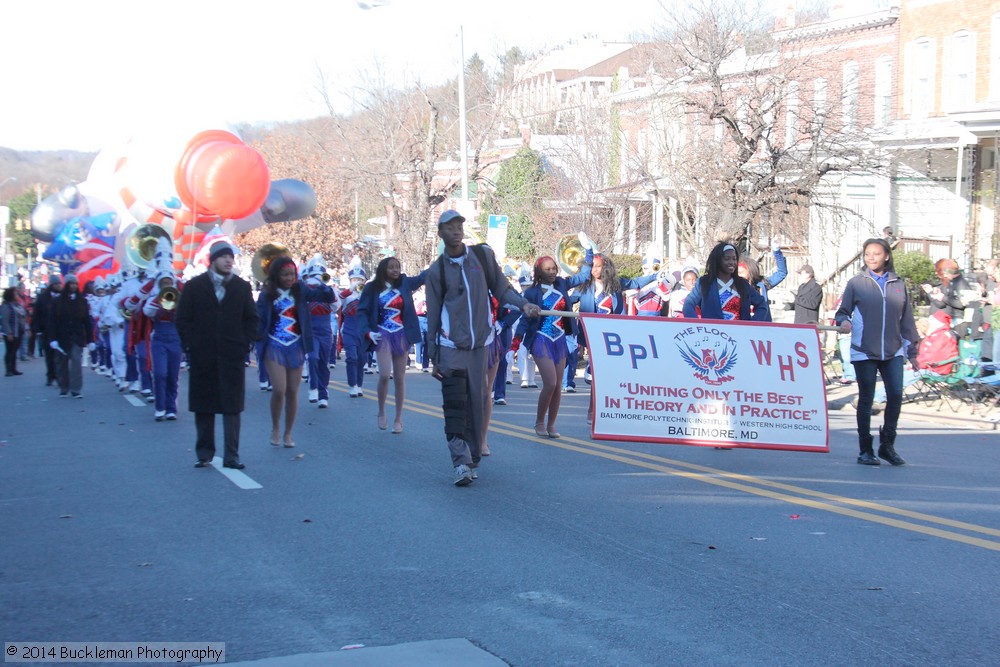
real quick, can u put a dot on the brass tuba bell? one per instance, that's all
(570, 253)
(262, 259)
(168, 297)
(141, 242)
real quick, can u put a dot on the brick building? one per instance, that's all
(948, 114)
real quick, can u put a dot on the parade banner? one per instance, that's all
(707, 382)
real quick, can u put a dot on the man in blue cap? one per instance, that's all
(459, 329)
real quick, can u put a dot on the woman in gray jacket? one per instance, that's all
(12, 320)
(876, 311)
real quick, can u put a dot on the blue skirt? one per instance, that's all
(289, 356)
(544, 348)
(396, 342)
(494, 352)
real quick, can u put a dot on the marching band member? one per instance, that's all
(721, 294)
(140, 328)
(320, 313)
(112, 318)
(689, 277)
(95, 302)
(132, 280)
(165, 343)
(749, 270)
(604, 293)
(354, 348)
(287, 328)
(545, 337)
(388, 318)
(653, 299)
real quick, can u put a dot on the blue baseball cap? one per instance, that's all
(451, 215)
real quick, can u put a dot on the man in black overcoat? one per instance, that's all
(217, 323)
(40, 321)
(808, 298)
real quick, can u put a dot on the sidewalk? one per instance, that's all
(839, 397)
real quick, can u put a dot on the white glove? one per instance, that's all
(55, 346)
(585, 241)
(374, 336)
(775, 246)
(91, 347)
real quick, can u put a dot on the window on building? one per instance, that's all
(792, 114)
(994, 71)
(989, 158)
(922, 78)
(883, 91)
(849, 94)
(819, 105)
(962, 70)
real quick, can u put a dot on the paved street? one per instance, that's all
(563, 552)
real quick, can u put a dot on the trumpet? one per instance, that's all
(262, 259)
(570, 254)
(168, 297)
(325, 277)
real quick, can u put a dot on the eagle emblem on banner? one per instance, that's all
(711, 358)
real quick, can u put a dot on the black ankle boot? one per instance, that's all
(867, 456)
(886, 448)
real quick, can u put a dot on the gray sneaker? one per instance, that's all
(463, 476)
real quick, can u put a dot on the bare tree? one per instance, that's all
(738, 139)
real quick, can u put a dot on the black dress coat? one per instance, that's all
(69, 322)
(807, 302)
(217, 337)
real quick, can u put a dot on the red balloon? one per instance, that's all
(219, 175)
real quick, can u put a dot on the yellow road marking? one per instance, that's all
(742, 483)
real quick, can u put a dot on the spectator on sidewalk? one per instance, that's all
(13, 322)
(949, 293)
(808, 297)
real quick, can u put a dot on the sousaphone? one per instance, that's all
(262, 259)
(570, 253)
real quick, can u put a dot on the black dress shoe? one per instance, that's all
(202, 464)
(868, 459)
(18, 373)
(235, 466)
(889, 454)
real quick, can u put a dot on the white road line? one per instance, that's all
(237, 477)
(135, 400)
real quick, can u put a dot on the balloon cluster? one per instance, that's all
(189, 184)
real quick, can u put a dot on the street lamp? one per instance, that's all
(463, 131)
(4, 223)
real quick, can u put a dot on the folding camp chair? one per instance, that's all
(985, 389)
(952, 389)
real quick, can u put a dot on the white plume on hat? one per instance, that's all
(315, 267)
(163, 260)
(354, 269)
(100, 283)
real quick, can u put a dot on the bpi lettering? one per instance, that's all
(613, 347)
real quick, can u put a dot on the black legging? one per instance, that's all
(10, 353)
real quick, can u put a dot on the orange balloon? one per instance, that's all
(220, 176)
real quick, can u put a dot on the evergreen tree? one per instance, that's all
(520, 187)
